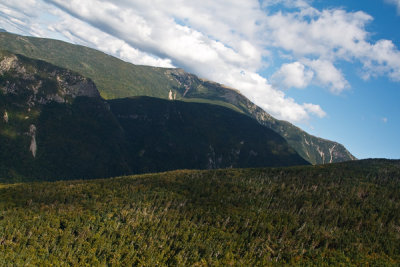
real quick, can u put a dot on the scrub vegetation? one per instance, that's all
(339, 214)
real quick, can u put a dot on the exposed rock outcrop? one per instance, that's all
(45, 82)
(32, 134)
(27, 85)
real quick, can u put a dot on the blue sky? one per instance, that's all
(330, 67)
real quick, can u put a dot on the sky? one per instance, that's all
(330, 67)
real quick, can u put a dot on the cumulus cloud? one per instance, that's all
(207, 38)
(385, 60)
(327, 33)
(300, 75)
(262, 93)
(293, 75)
(315, 109)
(328, 75)
(332, 35)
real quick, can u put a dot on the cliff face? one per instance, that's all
(27, 85)
(52, 121)
(313, 149)
(38, 82)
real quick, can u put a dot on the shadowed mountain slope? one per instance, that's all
(118, 79)
(55, 125)
(175, 135)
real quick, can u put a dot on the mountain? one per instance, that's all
(118, 79)
(343, 214)
(168, 135)
(313, 149)
(55, 125)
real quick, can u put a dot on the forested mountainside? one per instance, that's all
(118, 79)
(55, 125)
(168, 135)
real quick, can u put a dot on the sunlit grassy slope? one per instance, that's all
(346, 214)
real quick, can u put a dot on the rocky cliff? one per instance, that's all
(53, 119)
(40, 82)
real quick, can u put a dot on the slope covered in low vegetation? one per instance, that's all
(347, 213)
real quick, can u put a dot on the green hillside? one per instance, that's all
(118, 79)
(345, 214)
(55, 125)
(113, 77)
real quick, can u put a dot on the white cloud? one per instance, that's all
(216, 52)
(332, 35)
(315, 109)
(328, 75)
(227, 41)
(156, 31)
(327, 33)
(267, 97)
(287, 3)
(395, 2)
(386, 59)
(293, 75)
(79, 32)
(13, 16)
(384, 120)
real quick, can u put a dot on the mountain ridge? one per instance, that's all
(310, 147)
(56, 126)
(116, 78)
